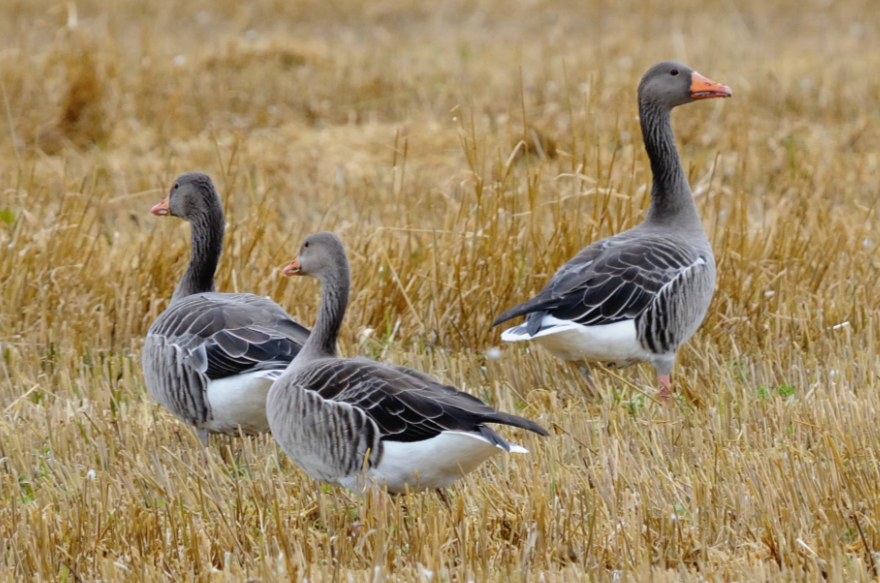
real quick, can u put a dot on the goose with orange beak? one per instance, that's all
(639, 295)
(211, 357)
(362, 424)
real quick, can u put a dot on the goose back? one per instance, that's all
(329, 414)
(209, 337)
(656, 279)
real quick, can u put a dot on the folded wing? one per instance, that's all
(613, 280)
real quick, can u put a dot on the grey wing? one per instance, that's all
(330, 416)
(615, 279)
(228, 334)
(210, 336)
(408, 405)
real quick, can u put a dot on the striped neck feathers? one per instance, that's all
(671, 197)
(206, 246)
(335, 286)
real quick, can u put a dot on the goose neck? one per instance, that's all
(335, 286)
(671, 197)
(206, 247)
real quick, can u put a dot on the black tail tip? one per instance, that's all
(529, 425)
(538, 429)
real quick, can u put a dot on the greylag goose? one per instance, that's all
(357, 422)
(639, 295)
(211, 357)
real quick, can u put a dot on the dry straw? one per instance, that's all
(463, 152)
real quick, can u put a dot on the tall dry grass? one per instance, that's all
(463, 151)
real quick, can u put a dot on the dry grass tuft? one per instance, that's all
(414, 134)
(83, 120)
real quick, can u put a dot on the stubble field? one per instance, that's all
(463, 151)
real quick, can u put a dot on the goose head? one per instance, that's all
(669, 84)
(192, 195)
(319, 254)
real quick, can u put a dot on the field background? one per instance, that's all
(463, 151)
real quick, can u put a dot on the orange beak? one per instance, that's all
(161, 209)
(702, 88)
(293, 268)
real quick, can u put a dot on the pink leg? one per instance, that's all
(441, 493)
(665, 383)
(592, 387)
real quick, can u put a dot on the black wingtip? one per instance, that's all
(522, 423)
(535, 428)
(508, 315)
(500, 320)
(533, 322)
(532, 306)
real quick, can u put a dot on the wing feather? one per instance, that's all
(204, 337)
(228, 334)
(406, 405)
(612, 280)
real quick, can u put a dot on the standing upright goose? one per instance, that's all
(210, 358)
(639, 295)
(344, 420)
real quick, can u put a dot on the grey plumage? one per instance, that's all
(347, 407)
(326, 438)
(662, 282)
(210, 336)
(659, 275)
(241, 342)
(329, 413)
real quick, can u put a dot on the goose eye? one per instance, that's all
(176, 186)
(306, 244)
(674, 72)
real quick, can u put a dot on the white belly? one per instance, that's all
(609, 343)
(432, 463)
(239, 401)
